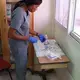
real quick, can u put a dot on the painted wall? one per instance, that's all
(72, 49)
(44, 18)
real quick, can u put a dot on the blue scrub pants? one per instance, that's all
(20, 56)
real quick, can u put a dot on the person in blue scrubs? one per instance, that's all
(19, 34)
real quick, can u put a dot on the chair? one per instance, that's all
(4, 65)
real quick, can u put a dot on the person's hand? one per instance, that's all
(33, 39)
(41, 37)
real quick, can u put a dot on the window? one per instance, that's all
(74, 19)
(62, 10)
(77, 18)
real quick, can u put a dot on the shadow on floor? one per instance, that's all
(5, 76)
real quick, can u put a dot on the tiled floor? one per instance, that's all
(50, 76)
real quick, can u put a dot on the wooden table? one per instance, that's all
(45, 63)
(42, 62)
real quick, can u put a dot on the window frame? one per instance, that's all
(72, 12)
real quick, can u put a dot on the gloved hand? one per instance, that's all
(41, 37)
(33, 39)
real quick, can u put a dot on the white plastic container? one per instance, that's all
(46, 42)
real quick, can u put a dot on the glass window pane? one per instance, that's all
(62, 10)
(77, 18)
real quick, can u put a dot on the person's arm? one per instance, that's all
(40, 36)
(33, 32)
(12, 34)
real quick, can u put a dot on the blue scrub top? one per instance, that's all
(20, 22)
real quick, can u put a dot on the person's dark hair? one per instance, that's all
(27, 2)
(33, 2)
